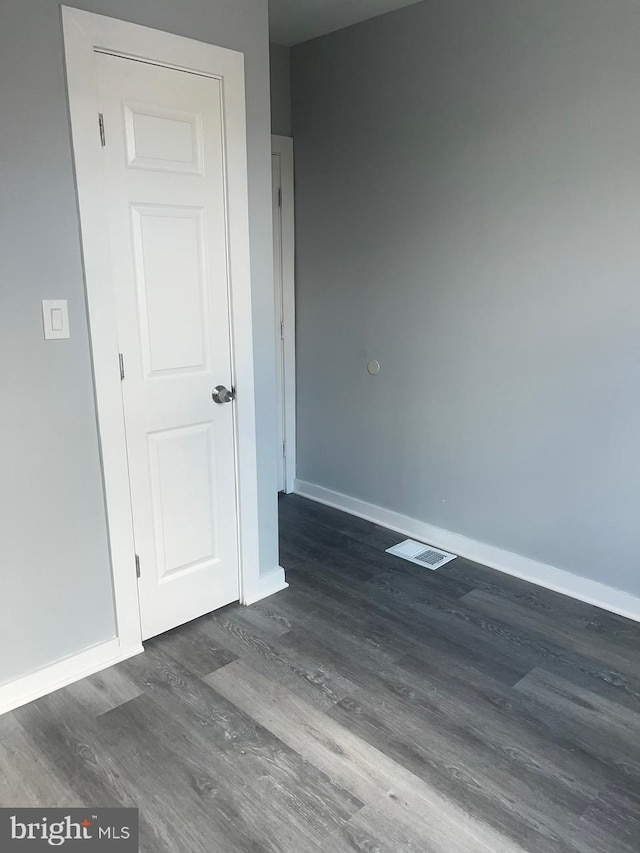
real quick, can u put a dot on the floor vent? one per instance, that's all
(421, 554)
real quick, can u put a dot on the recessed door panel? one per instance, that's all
(163, 139)
(184, 511)
(172, 287)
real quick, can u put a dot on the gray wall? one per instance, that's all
(56, 593)
(468, 212)
(280, 59)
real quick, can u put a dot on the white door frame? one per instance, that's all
(283, 146)
(85, 34)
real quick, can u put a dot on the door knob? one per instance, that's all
(223, 395)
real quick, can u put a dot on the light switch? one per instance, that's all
(55, 317)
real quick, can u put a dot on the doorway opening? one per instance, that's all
(285, 317)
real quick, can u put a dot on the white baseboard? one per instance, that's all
(550, 577)
(266, 585)
(13, 694)
(64, 672)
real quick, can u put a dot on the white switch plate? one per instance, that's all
(55, 317)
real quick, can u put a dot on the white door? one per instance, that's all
(276, 188)
(164, 155)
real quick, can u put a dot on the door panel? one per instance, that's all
(169, 250)
(164, 156)
(163, 139)
(184, 510)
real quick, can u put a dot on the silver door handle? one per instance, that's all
(223, 395)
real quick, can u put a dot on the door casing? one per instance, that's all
(86, 34)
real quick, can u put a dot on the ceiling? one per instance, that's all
(293, 21)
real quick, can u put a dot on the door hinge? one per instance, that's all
(101, 127)
(137, 566)
(282, 328)
(121, 360)
(284, 448)
(279, 194)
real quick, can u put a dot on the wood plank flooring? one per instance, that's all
(372, 706)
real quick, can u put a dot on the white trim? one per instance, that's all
(84, 34)
(60, 674)
(517, 566)
(268, 585)
(283, 146)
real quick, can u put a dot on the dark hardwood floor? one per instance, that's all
(373, 706)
